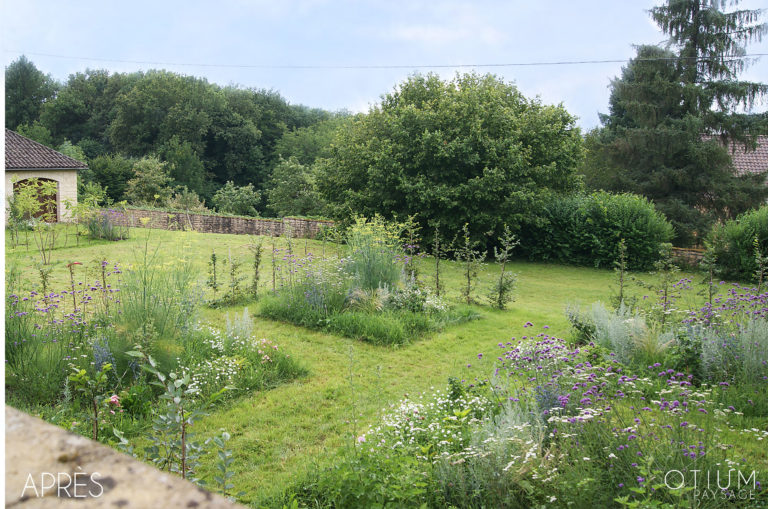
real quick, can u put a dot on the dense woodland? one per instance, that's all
(469, 149)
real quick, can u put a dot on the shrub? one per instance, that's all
(617, 331)
(587, 230)
(103, 225)
(238, 200)
(733, 244)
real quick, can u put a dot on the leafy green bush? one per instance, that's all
(733, 244)
(587, 229)
(239, 200)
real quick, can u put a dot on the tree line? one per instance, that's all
(449, 151)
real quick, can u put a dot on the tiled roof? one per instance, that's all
(747, 160)
(21, 153)
(751, 161)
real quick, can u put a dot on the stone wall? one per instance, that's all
(300, 228)
(47, 466)
(689, 257)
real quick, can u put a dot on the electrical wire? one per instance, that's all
(399, 66)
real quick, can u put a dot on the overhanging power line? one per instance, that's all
(385, 66)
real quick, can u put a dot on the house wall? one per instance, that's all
(67, 180)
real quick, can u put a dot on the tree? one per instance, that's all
(673, 113)
(85, 107)
(150, 184)
(186, 167)
(37, 132)
(26, 90)
(307, 144)
(710, 43)
(112, 172)
(72, 151)
(472, 149)
(292, 190)
(238, 200)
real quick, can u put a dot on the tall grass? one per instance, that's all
(159, 294)
(374, 253)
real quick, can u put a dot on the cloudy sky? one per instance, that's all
(345, 54)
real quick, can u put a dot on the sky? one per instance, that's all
(260, 44)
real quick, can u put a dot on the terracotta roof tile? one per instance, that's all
(747, 160)
(21, 153)
(751, 161)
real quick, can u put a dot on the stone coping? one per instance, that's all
(47, 466)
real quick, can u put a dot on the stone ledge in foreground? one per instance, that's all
(71, 471)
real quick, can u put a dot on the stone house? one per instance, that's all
(26, 159)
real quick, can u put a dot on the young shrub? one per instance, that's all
(438, 251)
(256, 250)
(471, 259)
(500, 293)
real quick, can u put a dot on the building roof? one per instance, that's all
(750, 161)
(745, 160)
(21, 153)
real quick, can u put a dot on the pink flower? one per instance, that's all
(361, 439)
(114, 400)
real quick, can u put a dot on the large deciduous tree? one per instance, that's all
(471, 149)
(26, 91)
(674, 113)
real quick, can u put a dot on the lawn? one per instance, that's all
(280, 435)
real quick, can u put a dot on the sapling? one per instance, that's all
(213, 282)
(93, 389)
(709, 264)
(234, 278)
(256, 249)
(173, 445)
(71, 267)
(274, 265)
(762, 265)
(665, 288)
(437, 251)
(620, 269)
(471, 258)
(412, 239)
(501, 292)
(44, 232)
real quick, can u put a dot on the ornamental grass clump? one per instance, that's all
(104, 224)
(159, 295)
(374, 248)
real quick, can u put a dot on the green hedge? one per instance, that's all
(586, 230)
(733, 244)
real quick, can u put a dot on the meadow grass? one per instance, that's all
(280, 435)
